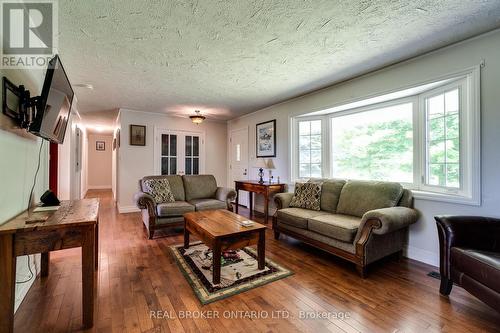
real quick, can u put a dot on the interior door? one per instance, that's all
(239, 160)
(181, 153)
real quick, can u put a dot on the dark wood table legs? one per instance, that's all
(44, 264)
(261, 249)
(186, 236)
(216, 256)
(88, 277)
(7, 283)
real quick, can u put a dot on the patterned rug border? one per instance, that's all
(206, 297)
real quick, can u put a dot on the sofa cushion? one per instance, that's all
(482, 266)
(206, 204)
(358, 197)
(176, 185)
(297, 217)
(200, 187)
(338, 226)
(330, 194)
(159, 189)
(307, 195)
(177, 208)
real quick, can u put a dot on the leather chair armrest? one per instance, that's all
(475, 232)
(283, 200)
(225, 194)
(145, 201)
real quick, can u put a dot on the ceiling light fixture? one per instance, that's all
(197, 118)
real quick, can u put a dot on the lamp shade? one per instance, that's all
(260, 163)
(270, 164)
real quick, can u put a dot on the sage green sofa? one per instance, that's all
(191, 193)
(361, 221)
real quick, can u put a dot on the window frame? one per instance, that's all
(296, 149)
(468, 82)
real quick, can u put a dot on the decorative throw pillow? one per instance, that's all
(307, 195)
(159, 189)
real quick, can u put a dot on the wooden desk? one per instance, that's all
(74, 224)
(253, 186)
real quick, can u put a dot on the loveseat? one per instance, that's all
(191, 193)
(360, 221)
(470, 256)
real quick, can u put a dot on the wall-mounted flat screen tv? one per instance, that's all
(54, 106)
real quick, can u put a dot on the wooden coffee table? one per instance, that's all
(221, 230)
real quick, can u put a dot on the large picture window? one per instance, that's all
(374, 144)
(425, 137)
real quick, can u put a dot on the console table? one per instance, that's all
(74, 224)
(253, 186)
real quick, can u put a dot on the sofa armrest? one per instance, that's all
(283, 200)
(382, 221)
(145, 201)
(225, 194)
(475, 232)
(391, 219)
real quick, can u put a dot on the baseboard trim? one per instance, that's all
(99, 187)
(425, 256)
(128, 209)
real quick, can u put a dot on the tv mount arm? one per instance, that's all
(28, 106)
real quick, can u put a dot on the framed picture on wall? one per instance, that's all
(266, 139)
(137, 135)
(100, 145)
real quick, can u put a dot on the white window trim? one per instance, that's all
(325, 143)
(470, 144)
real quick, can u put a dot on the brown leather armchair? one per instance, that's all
(470, 256)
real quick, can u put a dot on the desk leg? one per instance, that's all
(237, 199)
(88, 266)
(216, 254)
(7, 283)
(96, 240)
(266, 207)
(250, 203)
(44, 264)
(261, 250)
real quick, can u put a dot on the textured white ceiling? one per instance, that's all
(228, 58)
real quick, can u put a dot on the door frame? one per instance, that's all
(157, 146)
(230, 156)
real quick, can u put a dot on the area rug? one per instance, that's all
(239, 271)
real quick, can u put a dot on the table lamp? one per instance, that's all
(261, 164)
(270, 167)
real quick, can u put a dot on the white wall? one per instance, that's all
(18, 162)
(423, 240)
(69, 175)
(99, 162)
(135, 162)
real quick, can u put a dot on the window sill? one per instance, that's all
(442, 197)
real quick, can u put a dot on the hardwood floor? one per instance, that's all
(137, 276)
